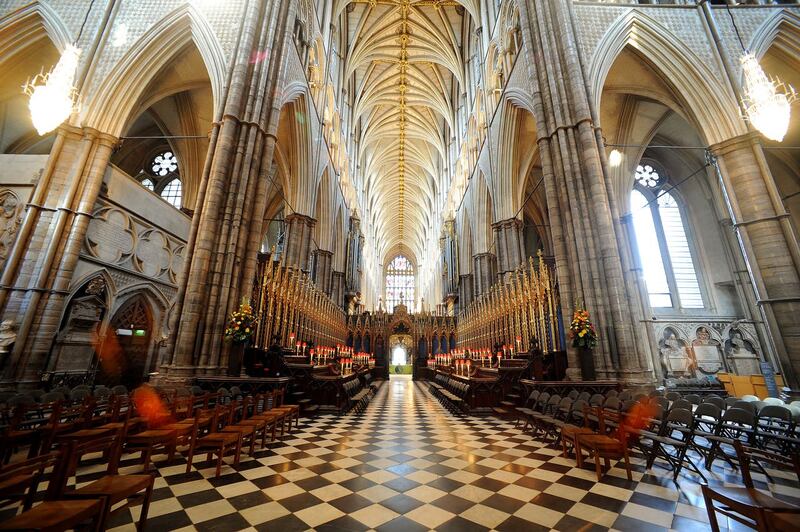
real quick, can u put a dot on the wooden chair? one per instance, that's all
(748, 505)
(151, 441)
(54, 514)
(268, 409)
(603, 446)
(293, 411)
(259, 424)
(19, 481)
(219, 443)
(23, 430)
(570, 430)
(247, 431)
(114, 488)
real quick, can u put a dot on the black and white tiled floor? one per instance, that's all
(407, 465)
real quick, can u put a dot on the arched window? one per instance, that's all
(173, 192)
(664, 250)
(164, 164)
(161, 175)
(399, 283)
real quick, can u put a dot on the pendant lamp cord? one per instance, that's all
(83, 24)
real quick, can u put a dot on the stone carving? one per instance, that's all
(8, 336)
(10, 219)
(111, 236)
(707, 352)
(176, 264)
(77, 341)
(740, 353)
(675, 360)
(152, 255)
(96, 286)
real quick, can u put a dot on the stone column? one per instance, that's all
(768, 243)
(40, 267)
(224, 239)
(485, 272)
(464, 291)
(337, 291)
(582, 211)
(322, 269)
(509, 244)
(299, 229)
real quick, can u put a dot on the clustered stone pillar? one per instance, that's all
(465, 290)
(509, 244)
(297, 248)
(323, 264)
(337, 287)
(768, 242)
(583, 215)
(355, 244)
(36, 280)
(484, 271)
(221, 264)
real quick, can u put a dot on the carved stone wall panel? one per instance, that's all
(153, 254)
(711, 346)
(111, 235)
(11, 209)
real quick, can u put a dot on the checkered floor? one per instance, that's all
(407, 465)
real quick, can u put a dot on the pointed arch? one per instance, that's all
(781, 28)
(122, 88)
(25, 26)
(704, 96)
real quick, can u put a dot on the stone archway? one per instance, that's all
(126, 357)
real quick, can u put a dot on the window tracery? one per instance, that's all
(399, 283)
(664, 250)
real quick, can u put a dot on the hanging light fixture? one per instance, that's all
(53, 96)
(766, 102)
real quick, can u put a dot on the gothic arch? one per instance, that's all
(704, 97)
(122, 88)
(30, 24)
(781, 28)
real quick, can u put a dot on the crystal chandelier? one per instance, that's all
(53, 96)
(767, 102)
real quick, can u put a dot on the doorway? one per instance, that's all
(125, 355)
(400, 356)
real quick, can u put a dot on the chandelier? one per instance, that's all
(767, 102)
(53, 96)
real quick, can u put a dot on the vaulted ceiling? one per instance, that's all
(405, 57)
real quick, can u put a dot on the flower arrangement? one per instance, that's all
(241, 324)
(581, 329)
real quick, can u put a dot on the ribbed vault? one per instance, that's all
(406, 62)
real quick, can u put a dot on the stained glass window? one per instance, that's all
(164, 163)
(148, 183)
(399, 283)
(173, 193)
(664, 251)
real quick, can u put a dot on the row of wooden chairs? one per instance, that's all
(66, 508)
(451, 393)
